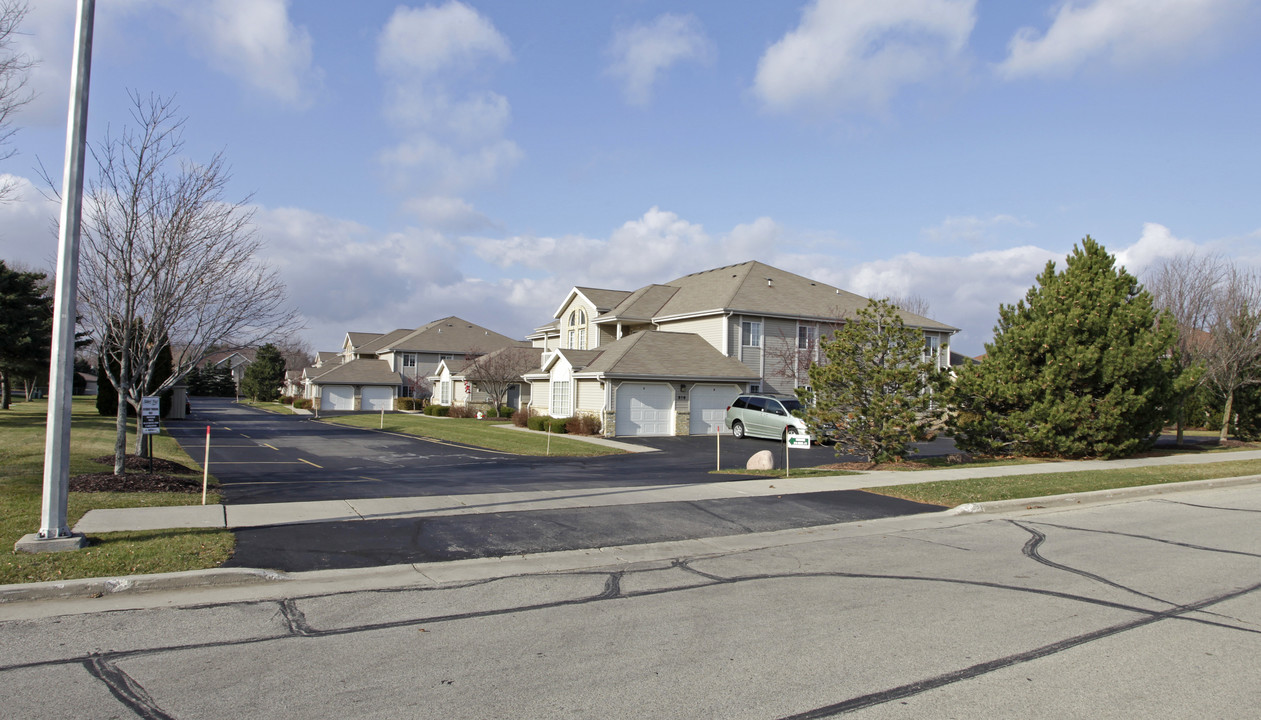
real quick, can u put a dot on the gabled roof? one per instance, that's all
(603, 300)
(755, 288)
(654, 353)
(361, 372)
(448, 335)
(640, 306)
(381, 341)
(359, 338)
(326, 356)
(462, 367)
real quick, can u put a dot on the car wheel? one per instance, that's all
(737, 429)
(790, 430)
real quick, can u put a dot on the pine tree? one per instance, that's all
(872, 393)
(26, 318)
(1082, 367)
(264, 376)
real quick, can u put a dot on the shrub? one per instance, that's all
(537, 422)
(300, 403)
(462, 411)
(584, 424)
(557, 425)
(404, 403)
(521, 417)
(437, 410)
(506, 411)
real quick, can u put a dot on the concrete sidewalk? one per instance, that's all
(242, 516)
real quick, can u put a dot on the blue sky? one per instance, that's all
(406, 161)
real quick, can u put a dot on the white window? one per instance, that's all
(751, 334)
(582, 339)
(571, 339)
(806, 336)
(444, 392)
(932, 348)
(409, 360)
(560, 399)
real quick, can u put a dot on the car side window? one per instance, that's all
(740, 403)
(758, 404)
(773, 407)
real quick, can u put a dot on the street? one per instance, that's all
(1139, 609)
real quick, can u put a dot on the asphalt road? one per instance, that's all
(1147, 609)
(262, 457)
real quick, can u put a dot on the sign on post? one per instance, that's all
(150, 412)
(800, 441)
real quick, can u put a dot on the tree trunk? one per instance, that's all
(1182, 406)
(120, 419)
(1230, 402)
(5, 394)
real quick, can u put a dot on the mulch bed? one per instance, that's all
(134, 482)
(904, 465)
(138, 477)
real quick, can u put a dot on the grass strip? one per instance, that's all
(272, 407)
(477, 433)
(91, 435)
(975, 490)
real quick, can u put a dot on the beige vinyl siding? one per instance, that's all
(709, 328)
(590, 397)
(540, 395)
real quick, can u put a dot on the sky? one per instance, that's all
(409, 161)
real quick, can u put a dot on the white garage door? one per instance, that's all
(645, 409)
(337, 397)
(709, 407)
(376, 398)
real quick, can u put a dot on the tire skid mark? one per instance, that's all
(125, 688)
(1031, 551)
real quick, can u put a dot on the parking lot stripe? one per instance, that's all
(308, 462)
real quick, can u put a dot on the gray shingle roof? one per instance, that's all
(641, 305)
(604, 300)
(653, 353)
(361, 372)
(755, 288)
(373, 346)
(448, 335)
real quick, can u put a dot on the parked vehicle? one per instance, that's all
(765, 415)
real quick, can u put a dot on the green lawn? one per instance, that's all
(21, 486)
(478, 433)
(958, 492)
(276, 407)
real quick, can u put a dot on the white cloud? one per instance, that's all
(423, 42)
(973, 230)
(256, 42)
(1119, 33)
(1156, 243)
(857, 55)
(641, 53)
(433, 60)
(28, 225)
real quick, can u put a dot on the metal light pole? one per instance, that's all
(54, 533)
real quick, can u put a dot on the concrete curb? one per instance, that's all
(98, 587)
(573, 560)
(1099, 497)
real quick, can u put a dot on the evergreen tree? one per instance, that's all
(196, 386)
(1081, 367)
(222, 384)
(265, 375)
(26, 327)
(872, 392)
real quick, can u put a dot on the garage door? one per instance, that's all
(645, 409)
(709, 407)
(337, 397)
(376, 398)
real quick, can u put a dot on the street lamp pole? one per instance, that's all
(54, 533)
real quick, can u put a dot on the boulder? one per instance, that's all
(764, 460)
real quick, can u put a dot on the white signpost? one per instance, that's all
(793, 441)
(150, 412)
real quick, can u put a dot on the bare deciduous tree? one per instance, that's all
(1187, 286)
(167, 260)
(296, 352)
(13, 76)
(495, 372)
(1235, 359)
(914, 304)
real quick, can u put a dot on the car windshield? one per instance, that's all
(792, 405)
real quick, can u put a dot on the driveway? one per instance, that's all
(262, 457)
